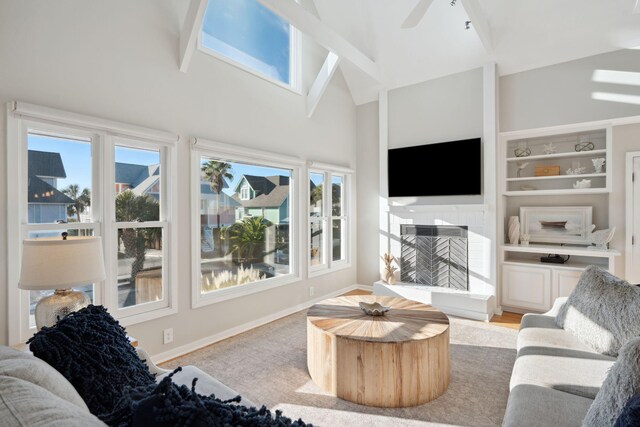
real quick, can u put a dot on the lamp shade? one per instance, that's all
(53, 263)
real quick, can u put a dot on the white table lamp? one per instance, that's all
(60, 264)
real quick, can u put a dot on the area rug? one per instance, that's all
(268, 366)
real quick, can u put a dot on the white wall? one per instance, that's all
(368, 190)
(118, 60)
(563, 93)
(444, 109)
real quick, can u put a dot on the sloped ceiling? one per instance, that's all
(525, 34)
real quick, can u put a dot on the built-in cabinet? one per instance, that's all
(565, 155)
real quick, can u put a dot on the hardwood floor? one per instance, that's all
(507, 320)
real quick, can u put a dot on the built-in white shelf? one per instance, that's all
(561, 250)
(558, 155)
(569, 265)
(545, 178)
(556, 192)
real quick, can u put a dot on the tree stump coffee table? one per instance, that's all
(397, 360)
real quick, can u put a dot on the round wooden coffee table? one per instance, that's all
(396, 360)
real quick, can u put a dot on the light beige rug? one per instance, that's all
(268, 365)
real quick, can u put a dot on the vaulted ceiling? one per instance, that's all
(522, 35)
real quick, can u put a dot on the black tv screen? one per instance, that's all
(451, 168)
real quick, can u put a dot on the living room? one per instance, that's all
(161, 103)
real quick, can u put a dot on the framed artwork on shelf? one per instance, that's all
(557, 224)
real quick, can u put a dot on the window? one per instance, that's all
(328, 221)
(138, 210)
(251, 36)
(242, 244)
(68, 180)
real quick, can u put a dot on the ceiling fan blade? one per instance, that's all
(416, 14)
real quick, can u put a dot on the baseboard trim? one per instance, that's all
(212, 339)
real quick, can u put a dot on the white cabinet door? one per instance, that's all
(564, 281)
(526, 287)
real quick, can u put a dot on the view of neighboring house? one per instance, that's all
(266, 196)
(140, 179)
(47, 204)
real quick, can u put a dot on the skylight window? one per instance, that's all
(250, 36)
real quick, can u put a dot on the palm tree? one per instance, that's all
(216, 172)
(81, 200)
(247, 238)
(132, 208)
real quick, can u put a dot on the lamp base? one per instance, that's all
(58, 305)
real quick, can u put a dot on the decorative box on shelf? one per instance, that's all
(546, 170)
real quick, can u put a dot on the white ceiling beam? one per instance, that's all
(304, 21)
(321, 82)
(479, 22)
(189, 33)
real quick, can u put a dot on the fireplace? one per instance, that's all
(435, 255)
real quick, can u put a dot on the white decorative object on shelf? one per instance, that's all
(524, 239)
(549, 148)
(528, 188)
(583, 183)
(577, 171)
(600, 238)
(598, 164)
(521, 166)
(514, 230)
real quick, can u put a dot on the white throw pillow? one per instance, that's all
(603, 311)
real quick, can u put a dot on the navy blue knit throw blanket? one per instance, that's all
(91, 350)
(169, 405)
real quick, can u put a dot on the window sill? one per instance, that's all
(214, 297)
(146, 316)
(343, 265)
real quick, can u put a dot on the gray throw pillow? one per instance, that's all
(18, 364)
(603, 311)
(25, 404)
(622, 382)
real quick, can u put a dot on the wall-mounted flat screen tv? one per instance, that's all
(451, 168)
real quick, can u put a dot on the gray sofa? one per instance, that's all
(555, 377)
(32, 393)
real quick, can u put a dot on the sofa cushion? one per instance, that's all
(535, 406)
(18, 364)
(630, 415)
(207, 385)
(23, 403)
(539, 330)
(621, 384)
(602, 311)
(572, 371)
(91, 350)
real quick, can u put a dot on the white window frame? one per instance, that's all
(328, 171)
(234, 153)
(295, 60)
(22, 119)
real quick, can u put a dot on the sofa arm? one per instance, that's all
(155, 370)
(557, 304)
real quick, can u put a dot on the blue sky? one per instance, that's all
(248, 33)
(76, 157)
